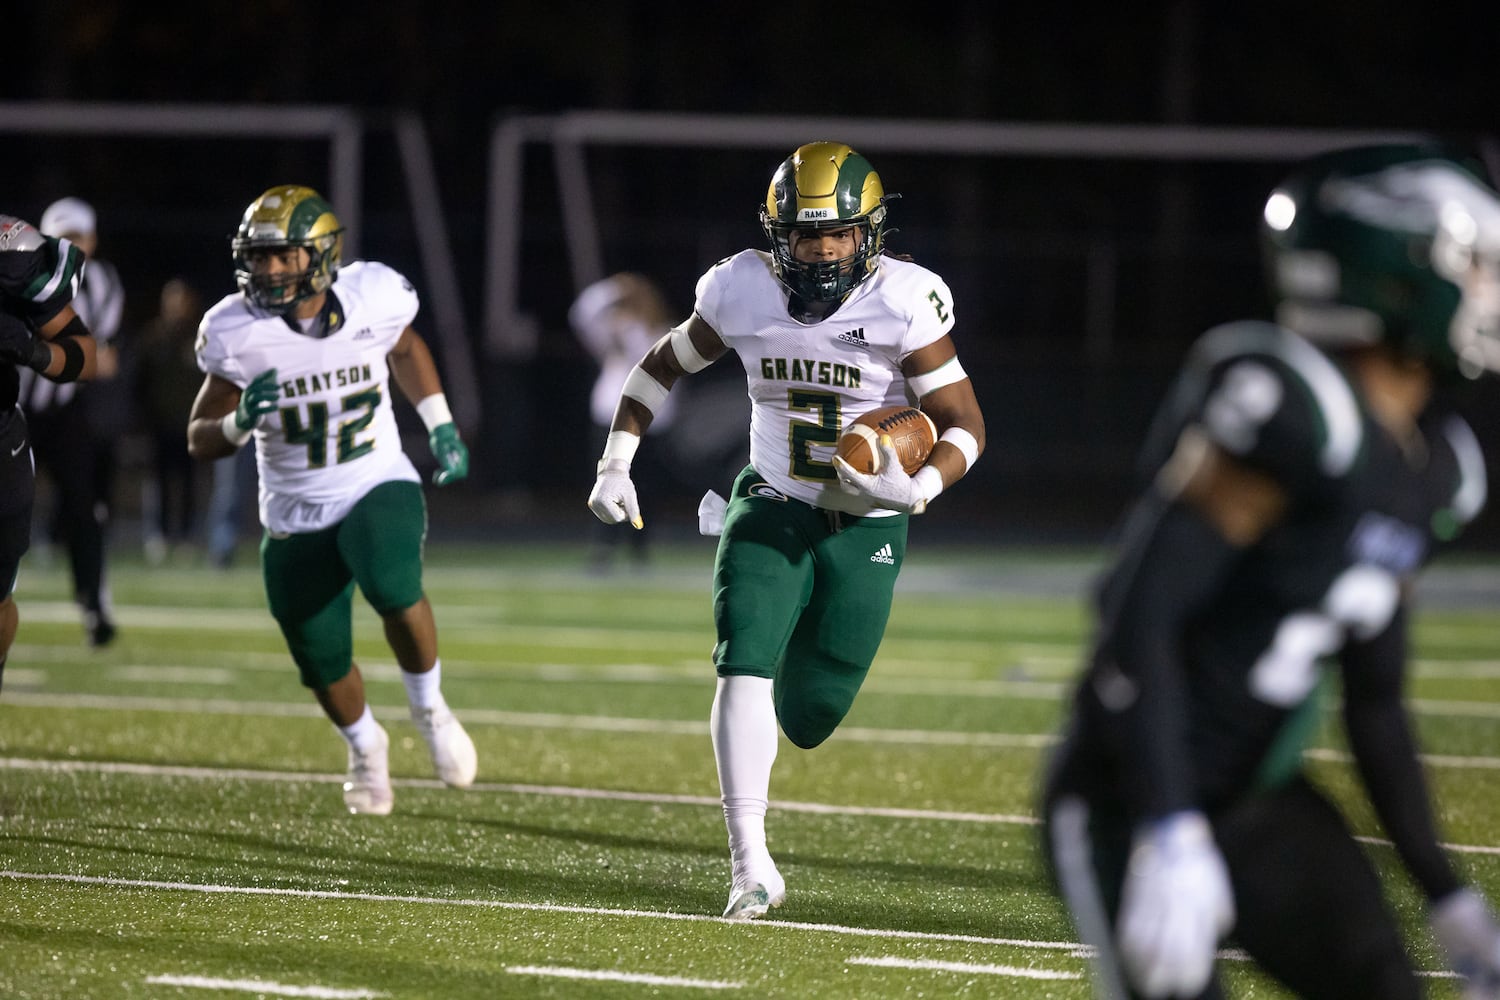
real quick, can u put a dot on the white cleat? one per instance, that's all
(453, 754)
(754, 896)
(368, 789)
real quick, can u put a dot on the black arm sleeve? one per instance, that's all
(1386, 753)
(1174, 565)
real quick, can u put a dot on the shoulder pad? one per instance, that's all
(1271, 397)
(18, 234)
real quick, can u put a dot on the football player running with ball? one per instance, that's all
(827, 327)
(1305, 470)
(300, 359)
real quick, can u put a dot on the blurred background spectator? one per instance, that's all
(165, 378)
(76, 426)
(617, 319)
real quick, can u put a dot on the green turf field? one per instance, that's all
(171, 823)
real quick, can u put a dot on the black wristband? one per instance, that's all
(73, 360)
(41, 354)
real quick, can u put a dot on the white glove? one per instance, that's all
(613, 498)
(1175, 905)
(891, 487)
(711, 514)
(1465, 927)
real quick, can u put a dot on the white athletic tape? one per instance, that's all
(964, 442)
(619, 446)
(434, 411)
(645, 390)
(233, 432)
(947, 373)
(686, 354)
(929, 483)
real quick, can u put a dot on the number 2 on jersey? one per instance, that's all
(804, 434)
(313, 432)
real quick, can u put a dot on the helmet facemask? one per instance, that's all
(825, 280)
(281, 219)
(824, 186)
(1459, 254)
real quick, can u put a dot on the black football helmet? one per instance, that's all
(283, 217)
(1396, 243)
(824, 185)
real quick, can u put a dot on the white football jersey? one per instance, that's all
(809, 381)
(333, 436)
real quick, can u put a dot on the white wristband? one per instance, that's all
(233, 432)
(928, 482)
(619, 446)
(434, 411)
(964, 442)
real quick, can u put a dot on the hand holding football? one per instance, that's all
(912, 432)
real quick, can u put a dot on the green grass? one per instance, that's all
(169, 807)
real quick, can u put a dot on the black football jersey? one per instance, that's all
(39, 275)
(1364, 514)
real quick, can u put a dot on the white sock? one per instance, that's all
(425, 690)
(362, 733)
(743, 723)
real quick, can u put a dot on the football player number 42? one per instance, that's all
(309, 426)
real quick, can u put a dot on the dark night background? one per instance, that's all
(1017, 238)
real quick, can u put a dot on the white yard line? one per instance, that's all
(1469, 709)
(615, 724)
(565, 791)
(1430, 759)
(263, 988)
(1071, 948)
(967, 968)
(143, 673)
(496, 904)
(613, 976)
(893, 674)
(1456, 669)
(559, 791)
(1454, 848)
(481, 716)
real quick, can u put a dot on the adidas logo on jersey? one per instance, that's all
(365, 333)
(884, 555)
(855, 337)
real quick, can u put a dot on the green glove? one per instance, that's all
(259, 398)
(451, 455)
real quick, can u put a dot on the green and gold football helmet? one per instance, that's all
(824, 185)
(288, 216)
(1397, 243)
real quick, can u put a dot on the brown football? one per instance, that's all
(912, 432)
